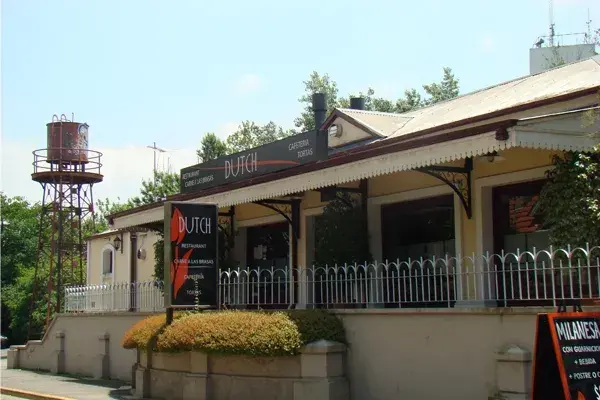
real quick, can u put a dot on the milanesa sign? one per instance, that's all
(282, 154)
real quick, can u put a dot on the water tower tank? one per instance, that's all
(67, 142)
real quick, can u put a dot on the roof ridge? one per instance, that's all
(521, 78)
(382, 113)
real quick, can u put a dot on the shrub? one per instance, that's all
(142, 331)
(315, 325)
(249, 333)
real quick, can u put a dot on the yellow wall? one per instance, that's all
(516, 159)
(121, 270)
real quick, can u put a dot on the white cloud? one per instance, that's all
(226, 129)
(248, 83)
(487, 43)
(123, 168)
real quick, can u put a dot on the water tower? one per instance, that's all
(67, 170)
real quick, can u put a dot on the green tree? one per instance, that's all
(570, 199)
(446, 89)
(211, 147)
(157, 189)
(316, 83)
(250, 135)
(19, 230)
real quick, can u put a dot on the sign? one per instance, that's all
(191, 254)
(282, 154)
(567, 356)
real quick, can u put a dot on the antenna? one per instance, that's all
(551, 20)
(588, 35)
(153, 147)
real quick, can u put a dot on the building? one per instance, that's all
(473, 165)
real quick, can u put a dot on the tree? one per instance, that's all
(250, 135)
(19, 229)
(19, 225)
(570, 199)
(316, 83)
(447, 89)
(154, 190)
(211, 148)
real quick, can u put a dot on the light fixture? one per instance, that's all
(335, 130)
(117, 243)
(491, 157)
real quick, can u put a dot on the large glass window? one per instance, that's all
(419, 228)
(267, 256)
(418, 231)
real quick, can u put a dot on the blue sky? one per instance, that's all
(139, 71)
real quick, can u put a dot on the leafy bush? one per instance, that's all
(142, 331)
(239, 332)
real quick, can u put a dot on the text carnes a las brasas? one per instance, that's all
(577, 330)
(198, 225)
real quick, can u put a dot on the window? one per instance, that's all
(415, 230)
(107, 261)
(517, 220)
(419, 228)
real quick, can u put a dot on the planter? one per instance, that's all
(317, 373)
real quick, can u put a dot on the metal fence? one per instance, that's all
(537, 278)
(138, 296)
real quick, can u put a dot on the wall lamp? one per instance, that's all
(117, 243)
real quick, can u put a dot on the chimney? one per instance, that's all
(319, 106)
(357, 103)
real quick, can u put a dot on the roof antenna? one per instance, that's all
(551, 18)
(588, 35)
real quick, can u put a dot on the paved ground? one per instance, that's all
(62, 385)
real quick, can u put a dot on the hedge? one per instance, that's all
(142, 331)
(252, 333)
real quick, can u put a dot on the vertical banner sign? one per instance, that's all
(191, 256)
(566, 361)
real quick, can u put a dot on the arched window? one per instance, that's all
(108, 259)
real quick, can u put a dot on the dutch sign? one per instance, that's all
(567, 356)
(282, 154)
(191, 254)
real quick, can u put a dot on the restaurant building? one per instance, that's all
(443, 189)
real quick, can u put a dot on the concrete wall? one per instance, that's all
(392, 354)
(79, 344)
(435, 354)
(317, 373)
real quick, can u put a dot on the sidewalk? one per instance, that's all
(62, 385)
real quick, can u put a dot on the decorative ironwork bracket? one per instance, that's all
(288, 209)
(458, 178)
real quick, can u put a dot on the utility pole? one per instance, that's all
(153, 147)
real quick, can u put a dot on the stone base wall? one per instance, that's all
(317, 373)
(84, 344)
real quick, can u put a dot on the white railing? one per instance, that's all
(537, 278)
(138, 296)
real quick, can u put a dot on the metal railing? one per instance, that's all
(537, 278)
(138, 296)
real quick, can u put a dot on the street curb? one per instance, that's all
(31, 395)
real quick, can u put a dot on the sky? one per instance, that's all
(147, 71)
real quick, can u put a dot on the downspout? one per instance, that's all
(133, 271)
